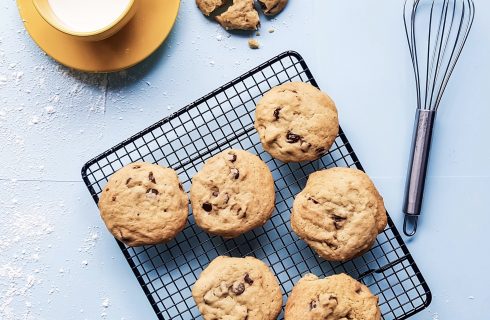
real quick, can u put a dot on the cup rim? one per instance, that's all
(62, 27)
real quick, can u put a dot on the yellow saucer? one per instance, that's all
(142, 35)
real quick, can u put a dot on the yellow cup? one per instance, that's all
(46, 11)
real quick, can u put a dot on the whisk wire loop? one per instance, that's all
(443, 31)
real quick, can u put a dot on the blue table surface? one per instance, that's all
(57, 261)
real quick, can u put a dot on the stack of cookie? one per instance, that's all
(338, 214)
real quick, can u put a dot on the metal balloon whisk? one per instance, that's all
(436, 34)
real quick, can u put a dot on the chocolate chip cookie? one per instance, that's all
(338, 297)
(208, 6)
(232, 194)
(339, 213)
(296, 122)
(237, 289)
(241, 15)
(272, 7)
(144, 203)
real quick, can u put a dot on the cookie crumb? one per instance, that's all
(271, 30)
(257, 33)
(253, 44)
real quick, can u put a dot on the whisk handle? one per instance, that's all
(417, 168)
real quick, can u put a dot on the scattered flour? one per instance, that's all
(49, 109)
(105, 303)
(20, 268)
(34, 120)
(88, 244)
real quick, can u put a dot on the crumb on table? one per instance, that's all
(253, 44)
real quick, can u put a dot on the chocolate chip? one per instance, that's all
(136, 166)
(313, 200)
(338, 221)
(215, 193)
(127, 181)
(292, 137)
(320, 151)
(207, 206)
(247, 279)
(154, 191)
(238, 289)
(113, 198)
(231, 157)
(276, 113)
(181, 187)
(358, 290)
(235, 173)
(312, 304)
(151, 177)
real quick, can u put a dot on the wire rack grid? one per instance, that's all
(224, 119)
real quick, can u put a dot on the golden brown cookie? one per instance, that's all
(241, 15)
(144, 203)
(208, 6)
(339, 213)
(232, 194)
(237, 289)
(338, 297)
(272, 7)
(296, 122)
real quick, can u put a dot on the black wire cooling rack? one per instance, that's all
(224, 119)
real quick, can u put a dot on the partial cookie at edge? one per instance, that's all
(272, 7)
(335, 297)
(209, 6)
(239, 289)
